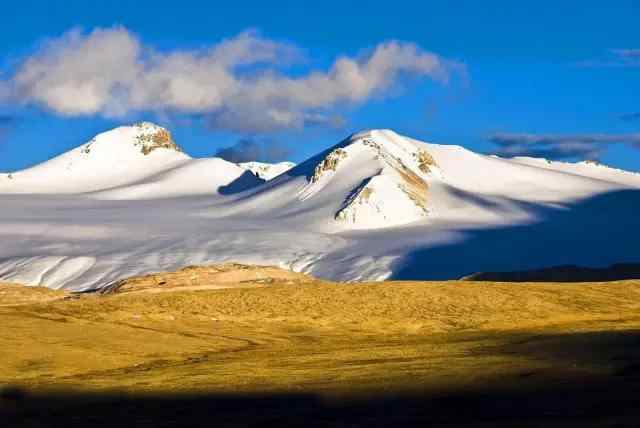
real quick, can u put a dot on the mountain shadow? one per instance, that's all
(598, 231)
(245, 181)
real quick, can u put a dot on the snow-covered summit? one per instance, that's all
(121, 155)
(391, 174)
(140, 161)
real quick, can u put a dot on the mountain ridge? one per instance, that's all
(375, 206)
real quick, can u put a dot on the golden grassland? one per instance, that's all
(299, 334)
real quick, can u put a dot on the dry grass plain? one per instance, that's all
(163, 348)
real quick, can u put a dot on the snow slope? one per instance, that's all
(192, 177)
(377, 205)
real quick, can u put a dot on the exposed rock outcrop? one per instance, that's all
(152, 137)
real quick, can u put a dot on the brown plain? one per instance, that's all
(243, 329)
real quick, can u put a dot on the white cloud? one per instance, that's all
(237, 81)
(79, 74)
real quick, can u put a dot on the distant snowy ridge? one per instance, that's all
(267, 171)
(587, 168)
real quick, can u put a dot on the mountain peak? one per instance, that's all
(148, 137)
(145, 137)
(390, 173)
(111, 158)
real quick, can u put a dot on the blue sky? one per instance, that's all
(560, 80)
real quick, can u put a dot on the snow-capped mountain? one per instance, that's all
(379, 179)
(138, 161)
(377, 205)
(394, 193)
(373, 179)
(267, 171)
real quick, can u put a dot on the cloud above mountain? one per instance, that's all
(629, 54)
(240, 83)
(627, 57)
(248, 149)
(559, 146)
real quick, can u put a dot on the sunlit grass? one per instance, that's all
(316, 336)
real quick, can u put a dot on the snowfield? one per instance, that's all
(375, 206)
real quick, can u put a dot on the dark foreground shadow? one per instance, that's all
(585, 403)
(593, 382)
(596, 232)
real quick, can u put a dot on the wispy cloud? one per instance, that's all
(629, 54)
(239, 82)
(248, 149)
(628, 57)
(559, 146)
(630, 117)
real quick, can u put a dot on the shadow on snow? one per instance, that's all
(598, 231)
